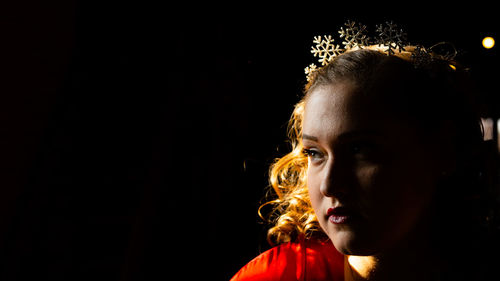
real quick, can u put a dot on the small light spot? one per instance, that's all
(488, 42)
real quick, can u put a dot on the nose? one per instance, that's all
(334, 181)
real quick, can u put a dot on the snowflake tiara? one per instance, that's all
(389, 36)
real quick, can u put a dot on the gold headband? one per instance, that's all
(389, 39)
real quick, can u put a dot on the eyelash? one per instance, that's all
(311, 154)
(308, 152)
(360, 150)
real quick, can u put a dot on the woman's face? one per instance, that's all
(371, 176)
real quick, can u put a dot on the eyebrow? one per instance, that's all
(309, 137)
(347, 135)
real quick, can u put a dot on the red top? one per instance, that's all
(309, 260)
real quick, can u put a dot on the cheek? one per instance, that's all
(395, 184)
(316, 197)
(313, 187)
(399, 195)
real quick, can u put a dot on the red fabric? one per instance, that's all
(309, 260)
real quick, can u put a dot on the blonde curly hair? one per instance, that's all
(292, 215)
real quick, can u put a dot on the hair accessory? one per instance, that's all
(325, 49)
(420, 56)
(354, 35)
(389, 36)
(310, 70)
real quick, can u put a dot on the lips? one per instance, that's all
(340, 215)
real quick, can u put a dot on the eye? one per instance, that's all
(362, 150)
(313, 154)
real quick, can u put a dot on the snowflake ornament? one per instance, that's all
(324, 49)
(420, 56)
(354, 35)
(310, 70)
(390, 36)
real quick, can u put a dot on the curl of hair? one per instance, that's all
(292, 214)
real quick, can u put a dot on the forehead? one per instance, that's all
(329, 98)
(341, 107)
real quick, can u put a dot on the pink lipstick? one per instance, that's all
(339, 215)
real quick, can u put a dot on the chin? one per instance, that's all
(348, 243)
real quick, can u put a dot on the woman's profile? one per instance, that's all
(386, 178)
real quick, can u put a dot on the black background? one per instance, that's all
(136, 136)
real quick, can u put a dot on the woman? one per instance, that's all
(384, 176)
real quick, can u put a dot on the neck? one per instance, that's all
(360, 267)
(410, 260)
(375, 268)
